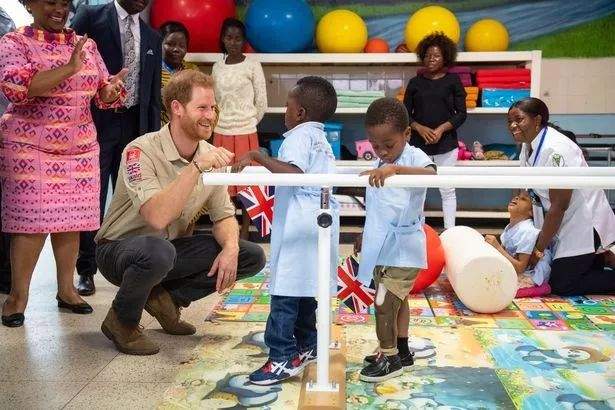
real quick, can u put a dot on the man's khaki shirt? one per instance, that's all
(150, 163)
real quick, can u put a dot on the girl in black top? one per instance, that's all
(435, 100)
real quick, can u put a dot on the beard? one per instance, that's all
(193, 129)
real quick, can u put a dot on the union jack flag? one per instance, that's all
(258, 202)
(350, 290)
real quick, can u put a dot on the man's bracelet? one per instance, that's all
(198, 167)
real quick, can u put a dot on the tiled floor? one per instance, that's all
(62, 360)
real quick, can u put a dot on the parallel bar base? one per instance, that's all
(328, 388)
(319, 399)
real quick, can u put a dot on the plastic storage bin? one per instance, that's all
(334, 136)
(274, 146)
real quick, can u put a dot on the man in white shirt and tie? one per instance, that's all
(124, 40)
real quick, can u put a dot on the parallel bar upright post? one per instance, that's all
(323, 325)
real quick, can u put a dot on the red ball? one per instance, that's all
(376, 45)
(247, 48)
(202, 18)
(435, 261)
(402, 48)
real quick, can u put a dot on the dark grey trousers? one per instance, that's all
(138, 264)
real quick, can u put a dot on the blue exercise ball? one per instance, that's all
(275, 26)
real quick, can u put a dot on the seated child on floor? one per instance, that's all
(518, 241)
(393, 250)
(290, 333)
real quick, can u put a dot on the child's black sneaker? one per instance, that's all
(406, 360)
(274, 372)
(383, 368)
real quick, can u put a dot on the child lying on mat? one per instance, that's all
(518, 241)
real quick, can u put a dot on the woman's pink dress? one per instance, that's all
(48, 147)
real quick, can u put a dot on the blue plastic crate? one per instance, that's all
(500, 97)
(274, 146)
(333, 131)
(334, 136)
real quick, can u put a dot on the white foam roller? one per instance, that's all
(483, 279)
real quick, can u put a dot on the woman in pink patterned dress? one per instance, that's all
(48, 148)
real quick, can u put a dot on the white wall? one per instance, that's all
(579, 86)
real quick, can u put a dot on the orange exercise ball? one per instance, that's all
(376, 45)
(435, 261)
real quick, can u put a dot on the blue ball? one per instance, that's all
(275, 26)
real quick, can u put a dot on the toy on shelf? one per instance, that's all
(428, 20)
(477, 151)
(274, 26)
(506, 78)
(365, 150)
(341, 31)
(463, 154)
(402, 48)
(192, 14)
(376, 45)
(487, 35)
(471, 97)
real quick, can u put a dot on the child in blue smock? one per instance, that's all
(393, 248)
(518, 242)
(291, 327)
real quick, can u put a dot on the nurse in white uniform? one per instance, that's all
(565, 216)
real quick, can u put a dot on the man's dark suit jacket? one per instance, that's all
(101, 25)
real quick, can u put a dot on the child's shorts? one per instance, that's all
(398, 281)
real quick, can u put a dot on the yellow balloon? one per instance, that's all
(428, 20)
(341, 31)
(487, 35)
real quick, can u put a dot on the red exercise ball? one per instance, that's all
(435, 261)
(376, 45)
(247, 48)
(202, 18)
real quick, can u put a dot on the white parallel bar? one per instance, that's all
(505, 171)
(414, 181)
(323, 325)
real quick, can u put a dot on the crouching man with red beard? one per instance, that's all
(146, 244)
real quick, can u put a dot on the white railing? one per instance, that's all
(476, 180)
(514, 171)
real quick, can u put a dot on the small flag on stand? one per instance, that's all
(350, 290)
(258, 203)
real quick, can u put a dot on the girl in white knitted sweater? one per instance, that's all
(241, 93)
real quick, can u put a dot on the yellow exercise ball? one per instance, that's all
(487, 35)
(341, 31)
(428, 20)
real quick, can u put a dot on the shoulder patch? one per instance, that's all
(557, 160)
(133, 165)
(133, 155)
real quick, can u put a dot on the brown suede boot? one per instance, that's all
(160, 305)
(127, 339)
